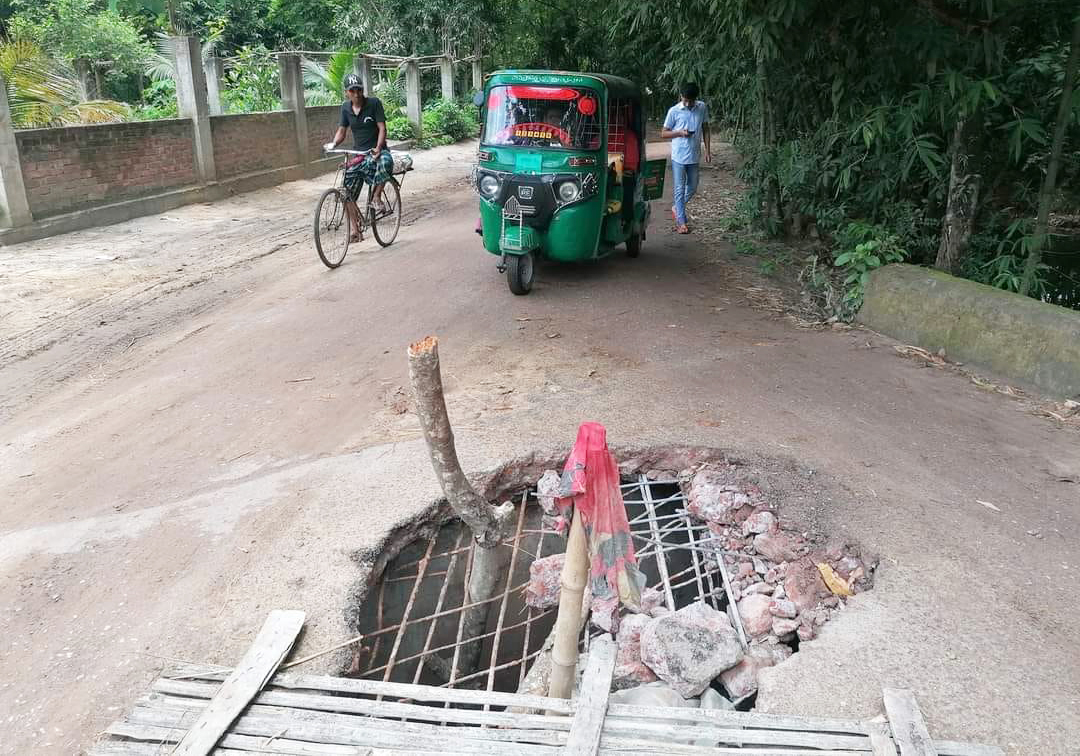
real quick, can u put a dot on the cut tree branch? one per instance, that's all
(426, 379)
(486, 522)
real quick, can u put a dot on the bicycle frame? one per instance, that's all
(339, 176)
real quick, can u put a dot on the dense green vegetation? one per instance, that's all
(942, 132)
(932, 128)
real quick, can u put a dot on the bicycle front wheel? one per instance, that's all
(386, 221)
(332, 231)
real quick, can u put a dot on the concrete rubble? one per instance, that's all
(630, 670)
(544, 575)
(690, 647)
(778, 579)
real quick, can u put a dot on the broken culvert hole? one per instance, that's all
(786, 585)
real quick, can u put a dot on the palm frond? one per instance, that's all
(96, 111)
(44, 93)
(316, 97)
(315, 74)
(14, 52)
(162, 64)
(30, 114)
(338, 67)
(329, 76)
(391, 90)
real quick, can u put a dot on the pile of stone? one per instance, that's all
(785, 584)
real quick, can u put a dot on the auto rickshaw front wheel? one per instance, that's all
(633, 243)
(520, 271)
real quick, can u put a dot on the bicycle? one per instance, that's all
(332, 230)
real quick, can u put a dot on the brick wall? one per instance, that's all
(322, 122)
(253, 142)
(77, 167)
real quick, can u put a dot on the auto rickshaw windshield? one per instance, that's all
(543, 116)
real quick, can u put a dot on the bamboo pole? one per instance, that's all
(575, 573)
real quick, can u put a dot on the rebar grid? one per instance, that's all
(662, 529)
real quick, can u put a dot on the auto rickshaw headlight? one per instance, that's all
(488, 186)
(569, 191)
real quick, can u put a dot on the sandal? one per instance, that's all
(682, 229)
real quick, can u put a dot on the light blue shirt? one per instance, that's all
(687, 150)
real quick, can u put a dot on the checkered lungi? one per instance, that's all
(363, 169)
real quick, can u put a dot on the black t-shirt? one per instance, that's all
(365, 126)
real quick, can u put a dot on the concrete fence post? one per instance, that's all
(477, 74)
(191, 100)
(446, 71)
(85, 74)
(362, 67)
(214, 69)
(292, 98)
(14, 205)
(413, 104)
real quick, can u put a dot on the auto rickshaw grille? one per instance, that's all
(512, 217)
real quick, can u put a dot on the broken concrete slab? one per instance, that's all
(780, 546)
(543, 589)
(713, 497)
(804, 585)
(754, 611)
(630, 670)
(741, 681)
(690, 647)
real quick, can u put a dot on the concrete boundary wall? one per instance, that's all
(253, 142)
(322, 122)
(76, 167)
(1023, 340)
(65, 179)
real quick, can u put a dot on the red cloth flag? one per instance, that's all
(590, 483)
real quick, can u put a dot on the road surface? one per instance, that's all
(201, 423)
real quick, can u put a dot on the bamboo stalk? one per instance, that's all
(564, 653)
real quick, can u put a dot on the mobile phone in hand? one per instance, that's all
(689, 133)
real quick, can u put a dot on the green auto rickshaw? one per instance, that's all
(561, 170)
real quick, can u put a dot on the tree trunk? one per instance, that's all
(86, 78)
(767, 138)
(963, 201)
(426, 379)
(486, 522)
(174, 22)
(1046, 194)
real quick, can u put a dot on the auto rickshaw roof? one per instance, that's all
(616, 86)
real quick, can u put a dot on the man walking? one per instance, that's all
(687, 126)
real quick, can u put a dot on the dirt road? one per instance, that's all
(201, 423)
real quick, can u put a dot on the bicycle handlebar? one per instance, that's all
(347, 152)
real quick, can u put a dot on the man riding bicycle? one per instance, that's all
(365, 117)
